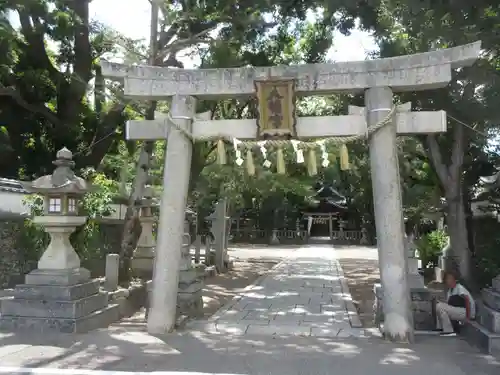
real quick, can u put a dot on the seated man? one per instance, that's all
(460, 306)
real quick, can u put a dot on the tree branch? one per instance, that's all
(42, 110)
(36, 44)
(82, 65)
(179, 44)
(437, 160)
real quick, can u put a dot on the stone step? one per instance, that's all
(491, 298)
(56, 309)
(97, 319)
(488, 318)
(56, 292)
(478, 336)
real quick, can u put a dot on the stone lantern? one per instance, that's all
(59, 295)
(143, 260)
(62, 192)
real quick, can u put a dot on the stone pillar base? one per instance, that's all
(65, 301)
(189, 297)
(423, 308)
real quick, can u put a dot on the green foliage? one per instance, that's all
(44, 89)
(487, 256)
(488, 263)
(430, 247)
(48, 102)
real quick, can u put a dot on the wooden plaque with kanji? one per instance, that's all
(276, 98)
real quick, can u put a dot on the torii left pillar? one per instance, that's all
(176, 173)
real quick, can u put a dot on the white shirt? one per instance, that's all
(460, 290)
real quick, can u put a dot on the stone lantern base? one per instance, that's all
(65, 301)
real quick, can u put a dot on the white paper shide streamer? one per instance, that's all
(325, 162)
(237, 151)
(298, 152)
(267, 163)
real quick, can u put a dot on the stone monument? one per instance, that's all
(143, 260)
(377, 78)
(218, 228)
(189, 298)
(59, 295)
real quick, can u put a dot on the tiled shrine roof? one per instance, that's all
(11, 186)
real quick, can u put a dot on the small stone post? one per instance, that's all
(111, 272)
(364, 237)
(341, 230)
(162, 315)
(274, 237)
(330, 227)
(398, 324)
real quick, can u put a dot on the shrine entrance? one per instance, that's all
(277, 127)
(320, 224)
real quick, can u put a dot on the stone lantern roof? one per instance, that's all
(63, 180)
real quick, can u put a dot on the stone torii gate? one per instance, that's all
(377, 78)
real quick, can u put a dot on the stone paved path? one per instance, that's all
(304, 295)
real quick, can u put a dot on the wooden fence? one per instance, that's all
(261, 236)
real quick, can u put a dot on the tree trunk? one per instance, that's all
(459, 259)
(132, 227)
(450, 176)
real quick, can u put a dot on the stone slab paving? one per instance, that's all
(305, 295)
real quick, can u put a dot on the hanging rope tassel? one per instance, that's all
(312, 167)
(280, 161)
(250, 163)
(344, 158)
(221, 152)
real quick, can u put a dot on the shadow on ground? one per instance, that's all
(221, 289)
(128, 348)
(361, 275)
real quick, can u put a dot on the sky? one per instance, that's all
(132, 19)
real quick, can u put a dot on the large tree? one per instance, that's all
(410, 27)
(44, 86)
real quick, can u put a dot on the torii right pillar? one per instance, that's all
(387, 203)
